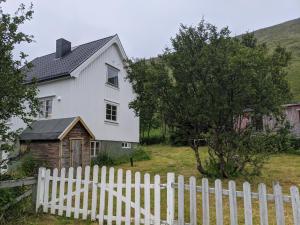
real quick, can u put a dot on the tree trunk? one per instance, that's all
(199, 163)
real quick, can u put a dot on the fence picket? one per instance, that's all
(295, 204)
(137, 192)
(193, 201)
(180, 200)
(156, 200)
(279, 205)
(263, 206)
(46, 195)
(110, 203)
(40, 188)
(170, 197)
(102, 195)
(147, 198)
(54, 188)
(128, 197)
(232, 203)
(205, 201)
(61, 191)
(86, 192)
(219, 202)
(119, 197)
(94, 192)
(247, 203)
(69, 191)
(77, 192)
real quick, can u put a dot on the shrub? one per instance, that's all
(30, 166)
(103, 159)
(152, 140)
(139, 154)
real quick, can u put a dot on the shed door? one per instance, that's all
(76, 152)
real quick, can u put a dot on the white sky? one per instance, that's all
(144, 27)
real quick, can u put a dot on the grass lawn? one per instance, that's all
(284, 168)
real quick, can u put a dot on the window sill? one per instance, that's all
(111, 122)
(112, 86)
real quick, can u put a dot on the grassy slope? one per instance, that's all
(284, 168)
(287, 35)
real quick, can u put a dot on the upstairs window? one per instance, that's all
(112, 76)
(111, 112)
(45, 107)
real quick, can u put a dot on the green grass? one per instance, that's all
(287, 35)
(284, 168)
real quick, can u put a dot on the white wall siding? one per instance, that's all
(85, 96)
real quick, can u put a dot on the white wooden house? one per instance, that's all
(88, 81)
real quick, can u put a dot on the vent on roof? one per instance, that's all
(63, 47)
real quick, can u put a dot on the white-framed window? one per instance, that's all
(126, 145)
(95, 148)
(112, 76)
(111, 112)
(46, 107)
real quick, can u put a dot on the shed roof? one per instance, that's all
(53, 129)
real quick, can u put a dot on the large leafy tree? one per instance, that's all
(17, 99)
(217, 79)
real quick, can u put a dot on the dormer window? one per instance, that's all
(112, 76)
(45, 107)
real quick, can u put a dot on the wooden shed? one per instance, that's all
(59, 143)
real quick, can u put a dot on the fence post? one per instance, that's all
(40, 188)
(170, 197)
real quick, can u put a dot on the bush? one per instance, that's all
(30, 166)
(139, 154)
(103, 159)
(152, 140)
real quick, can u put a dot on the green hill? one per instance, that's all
(287, 35)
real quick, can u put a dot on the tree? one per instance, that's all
(150, 82)
(217, 79)
(17, 99)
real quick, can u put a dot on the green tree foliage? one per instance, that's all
(150, 82)
(17, 99)
(216, 78)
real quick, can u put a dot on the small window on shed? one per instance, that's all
(95, 148)
(112, 76)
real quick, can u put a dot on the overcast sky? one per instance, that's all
(144, 27)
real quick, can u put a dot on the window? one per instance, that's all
(111, 112)
(95, 148)
(126, 145)
(112, 76)
(46, 107)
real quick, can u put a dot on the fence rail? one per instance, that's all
(122, 197)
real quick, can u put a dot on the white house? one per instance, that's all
(88, 81)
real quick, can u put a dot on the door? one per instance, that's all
(76, 152)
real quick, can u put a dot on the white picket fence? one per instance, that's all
(131, 201)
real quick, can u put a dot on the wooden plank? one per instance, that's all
(147, 198)
(137, 191)
(102, 195)
(219, 202)
(205, 201)
(128, 198)
(263, 205)
(157, 200)
(94, 192)
(46, 194)
(110, 203)
(233, 203)
(86, 192)
(181, 200)
(193, 201)
(17, 183)
(40, 188)
(295, 204)
(54, 189)
(61, 191)
(77, 192)
(279, 205)
(69, 192)
(170, 197)
(247, 203)
(119, 197)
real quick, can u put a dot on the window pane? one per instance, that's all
(42, 108)
(114, 118)
(112, 76)
(108, 117)
(48, 108)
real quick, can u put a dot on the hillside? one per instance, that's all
(287, 35)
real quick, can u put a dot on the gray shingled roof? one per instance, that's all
(48, 67)
(46, 129)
